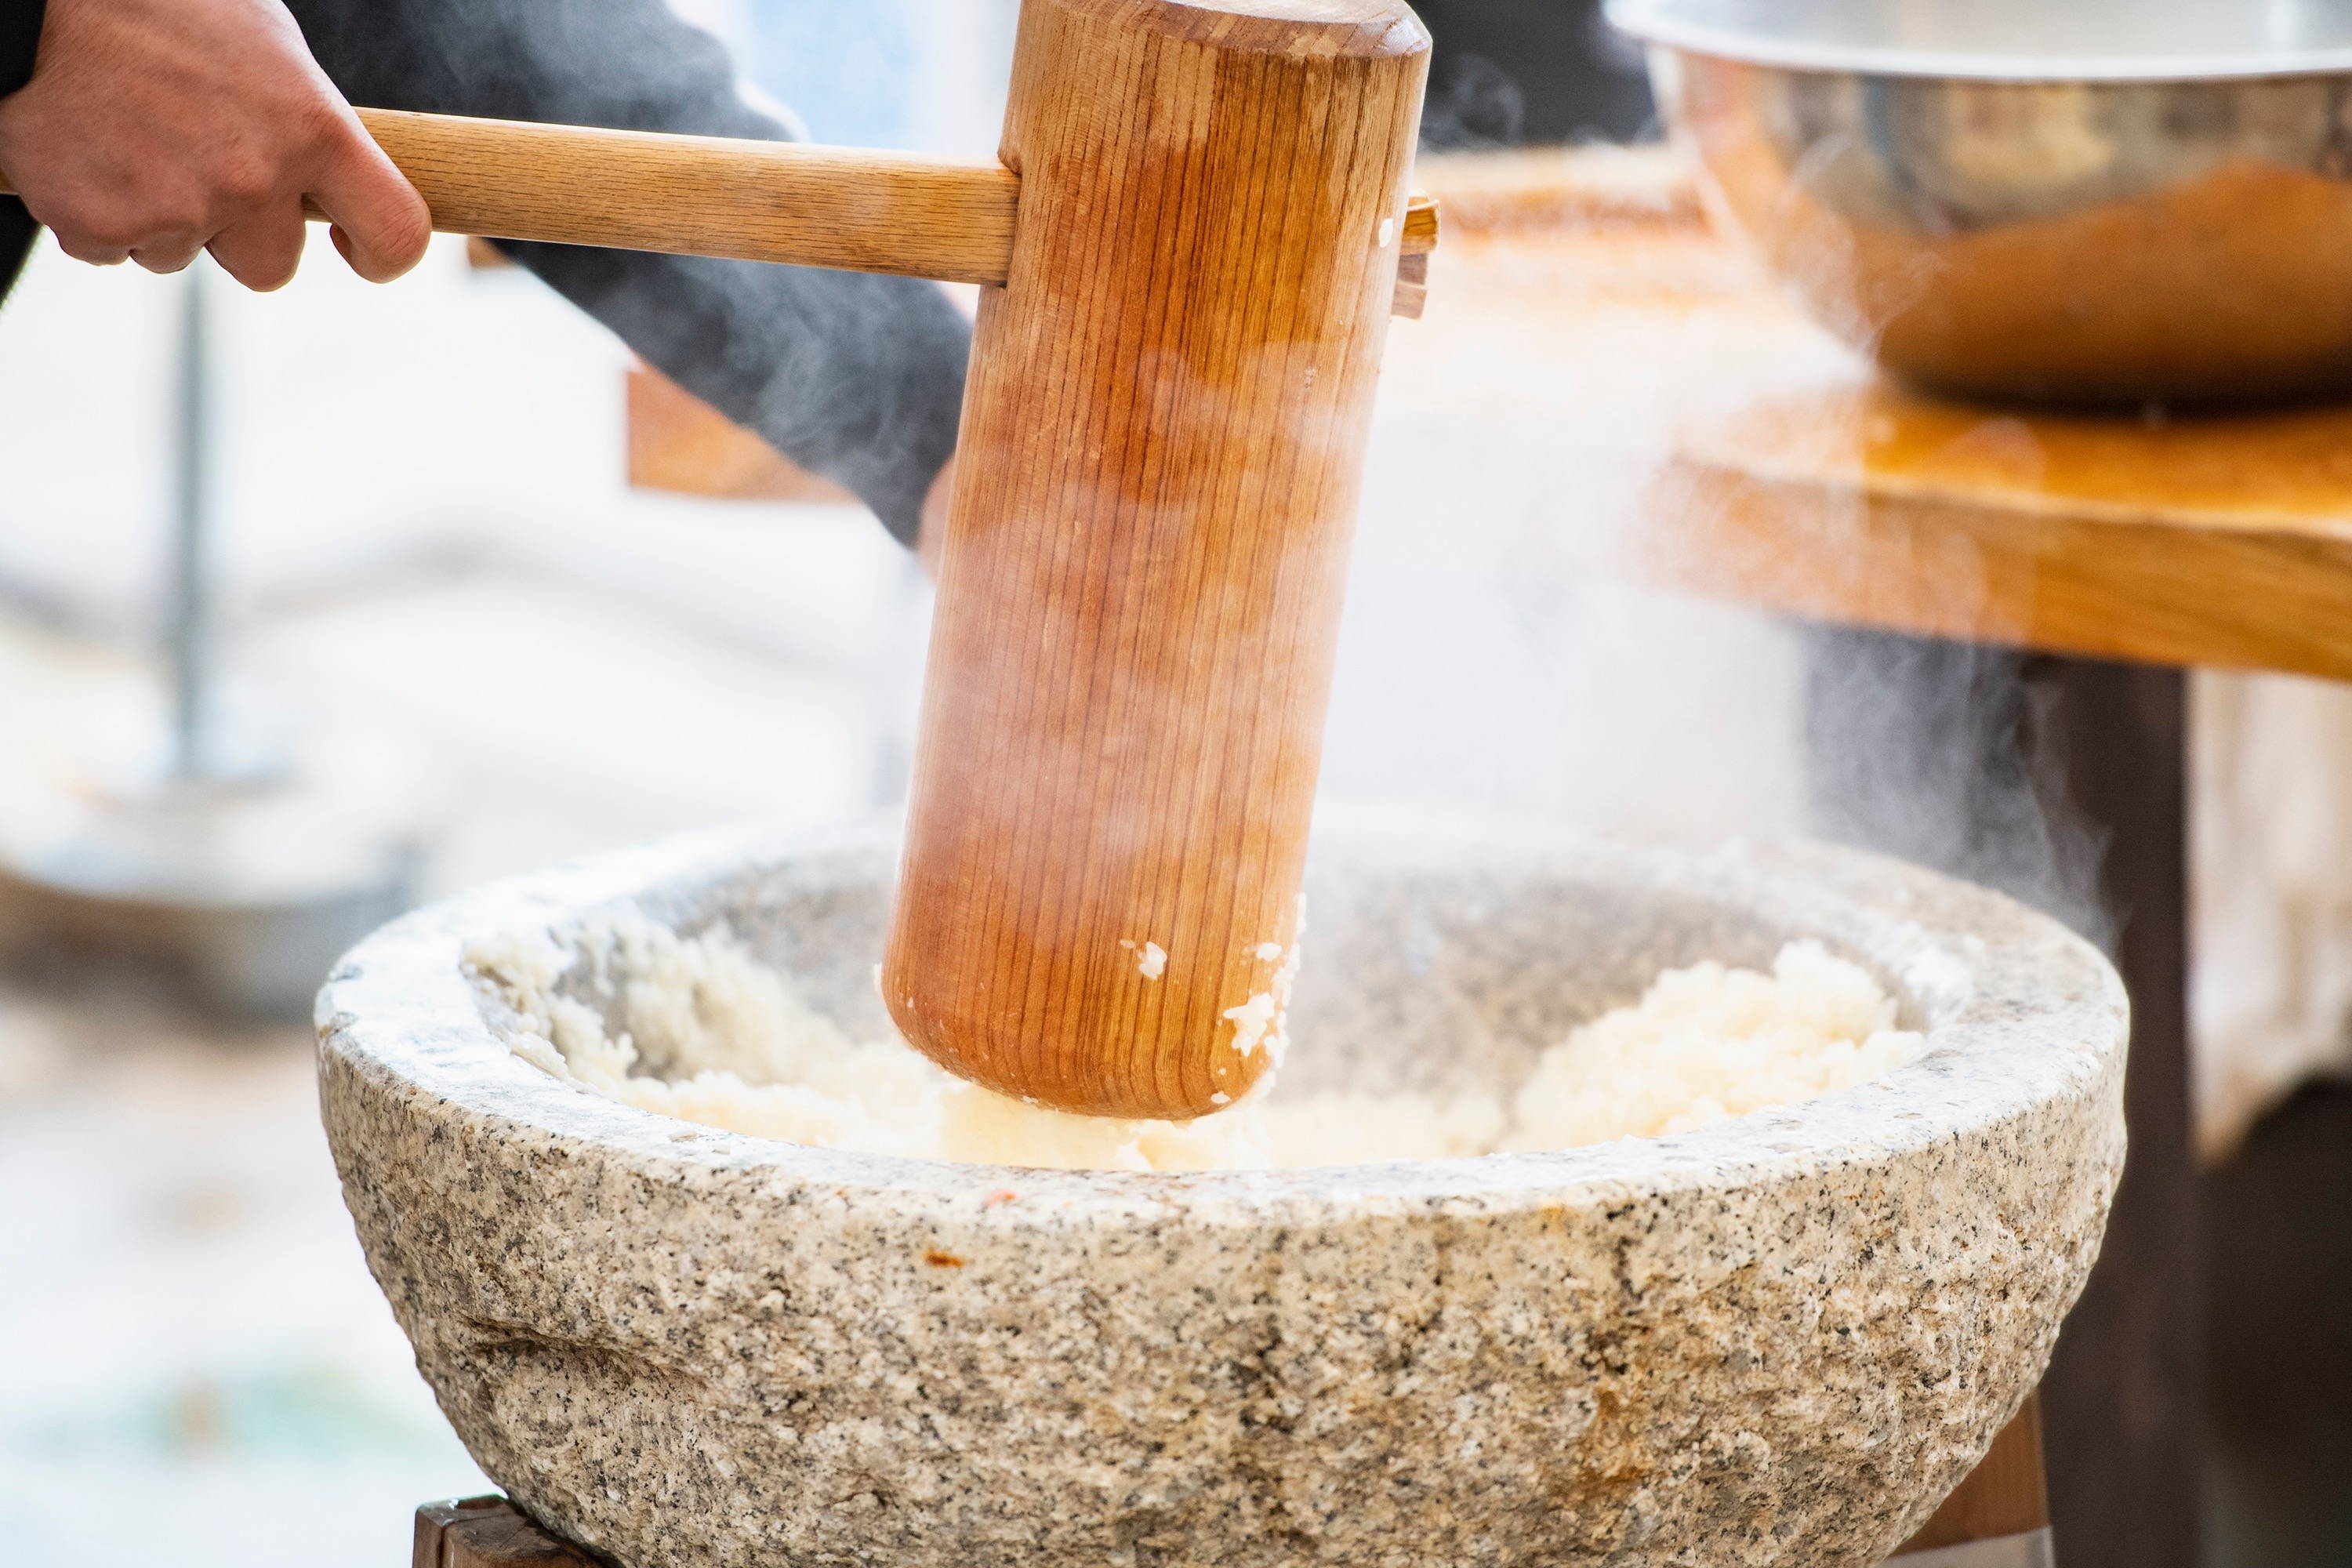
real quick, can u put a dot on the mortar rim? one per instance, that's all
(398, 1007)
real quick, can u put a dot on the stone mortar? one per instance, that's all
(1779, 1340)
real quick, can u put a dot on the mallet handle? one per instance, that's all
(813, 205)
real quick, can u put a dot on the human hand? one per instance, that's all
(154, 129)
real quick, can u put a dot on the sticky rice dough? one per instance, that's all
(707, 1034)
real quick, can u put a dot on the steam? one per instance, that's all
(1947, 753)
(1478, 106)
(1494, 651)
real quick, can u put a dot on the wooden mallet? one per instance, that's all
(1190, 253)
(1164, 441)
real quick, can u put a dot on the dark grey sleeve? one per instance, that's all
(859, 378)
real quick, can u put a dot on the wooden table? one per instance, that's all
(1789, 475)
(2056, 571)
(2179, 541)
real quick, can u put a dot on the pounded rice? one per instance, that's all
(709, 1034)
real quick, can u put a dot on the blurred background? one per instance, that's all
(499, 599)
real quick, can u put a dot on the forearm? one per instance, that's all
(20, 41)
(855, 378)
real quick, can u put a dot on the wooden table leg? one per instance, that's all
(2124, 1399)
(1955, 756)
(2000, 1516)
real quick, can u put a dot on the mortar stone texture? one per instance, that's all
(1776, 1340)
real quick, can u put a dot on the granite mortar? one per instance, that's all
(1779, 1339)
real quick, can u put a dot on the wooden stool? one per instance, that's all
(487, 1532)
(1998, 1518)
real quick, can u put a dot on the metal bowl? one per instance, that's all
(2100, 202)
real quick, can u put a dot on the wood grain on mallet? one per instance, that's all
(1163, 444)
(754, 201)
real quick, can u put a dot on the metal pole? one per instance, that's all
(189, 608)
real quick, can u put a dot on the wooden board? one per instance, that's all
(1600, 319)
(487, 1532)
(1534, 191)
(2209, 541)
(680, 443)
(2003, 1496)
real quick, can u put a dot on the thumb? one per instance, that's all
(380, 225)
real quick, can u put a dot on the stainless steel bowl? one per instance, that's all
(2074, 201)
